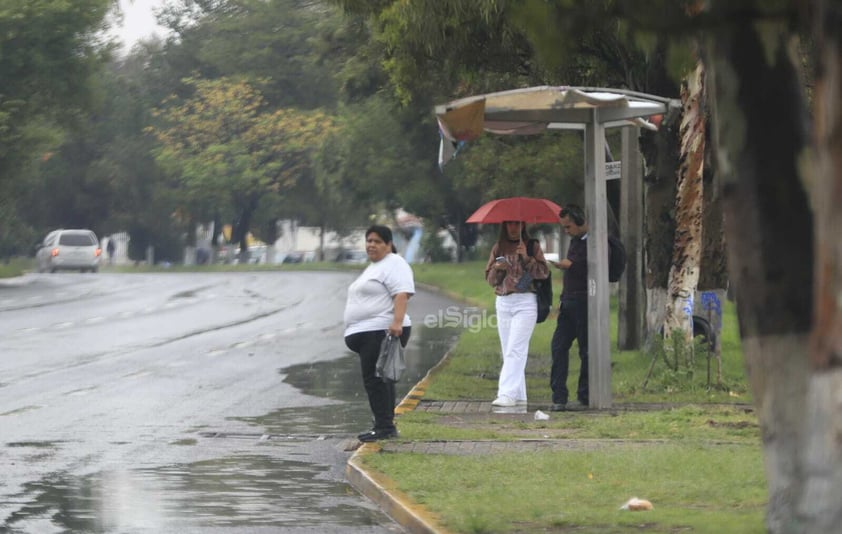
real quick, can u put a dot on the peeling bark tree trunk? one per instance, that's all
(687, 246)
(760, 134)
(660, 153)
(820, 505)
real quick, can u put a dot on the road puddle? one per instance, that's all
(234, 493)
(287, 475)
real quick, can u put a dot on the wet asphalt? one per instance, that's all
(172, 403)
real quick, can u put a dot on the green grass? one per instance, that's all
(693, 487)
(698, 458)
(16, 267)
(474, 364)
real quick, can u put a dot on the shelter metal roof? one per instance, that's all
(535, 109)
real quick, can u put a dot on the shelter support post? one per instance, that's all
(632, 294)
(596, 205)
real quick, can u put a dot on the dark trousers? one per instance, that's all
(381, 395)
(572, 325)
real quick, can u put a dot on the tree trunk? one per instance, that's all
(687, 246)
(660, 152)
(759, 120)
(821, 503)
(322, 231)
(242, 225)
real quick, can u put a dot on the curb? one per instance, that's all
(382, 490)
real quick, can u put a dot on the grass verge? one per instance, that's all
(697, 458)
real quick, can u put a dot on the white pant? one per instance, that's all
(516, 314)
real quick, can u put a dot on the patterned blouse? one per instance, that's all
(507, 282)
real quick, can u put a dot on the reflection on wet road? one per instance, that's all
(183, 437)
(241, 492)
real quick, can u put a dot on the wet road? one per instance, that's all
(219, 402)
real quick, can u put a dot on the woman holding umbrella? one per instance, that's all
(514, 262)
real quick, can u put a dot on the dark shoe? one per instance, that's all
(558, 407)
(374, 435)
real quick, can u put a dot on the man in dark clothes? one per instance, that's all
(111, 248)
(573, 312)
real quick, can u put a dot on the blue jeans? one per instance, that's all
(572, 325)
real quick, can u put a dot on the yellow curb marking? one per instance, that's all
(383, 491)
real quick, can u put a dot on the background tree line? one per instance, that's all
(111, 154)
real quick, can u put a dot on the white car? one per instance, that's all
(69, 250)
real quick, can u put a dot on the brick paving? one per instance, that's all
(480, 412)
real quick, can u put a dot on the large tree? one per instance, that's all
(780, 187)
(278, 41)
(224, 146)
(48, 53)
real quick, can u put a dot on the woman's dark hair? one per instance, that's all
(384, 232)
(503, 236)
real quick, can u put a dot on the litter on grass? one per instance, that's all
(636, 505)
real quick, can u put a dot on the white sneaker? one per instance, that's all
(521, 402)
(504, 400)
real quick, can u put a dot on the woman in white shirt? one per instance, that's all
(376, 305)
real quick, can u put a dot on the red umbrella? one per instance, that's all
(528, 210)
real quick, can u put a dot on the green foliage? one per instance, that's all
(548, 166)
(47, 63)
(277, 41)
(308, 55)
(16, 238)
(166, 246)
(434, 50)
(433, 244)
(373, 158)
(223, 145)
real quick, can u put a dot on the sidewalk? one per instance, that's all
(413, 516)
(383, 491)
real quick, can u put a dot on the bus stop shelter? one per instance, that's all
(592, 110)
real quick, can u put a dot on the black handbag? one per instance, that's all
(390, 363)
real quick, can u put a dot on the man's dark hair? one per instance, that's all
(574, 212)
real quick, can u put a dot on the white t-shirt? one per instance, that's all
(370, 306)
